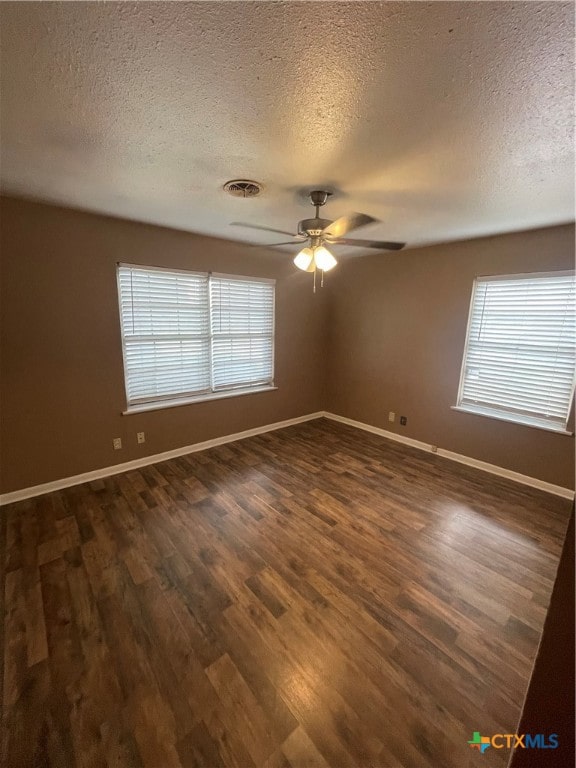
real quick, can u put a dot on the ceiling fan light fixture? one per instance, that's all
(305, 260)
(324, 259)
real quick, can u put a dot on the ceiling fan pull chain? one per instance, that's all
(322, 280)
(314, 291)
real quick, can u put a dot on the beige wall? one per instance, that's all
(397, 330)
(62, 386)
(394, 340)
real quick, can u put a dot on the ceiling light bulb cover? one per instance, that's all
(324, 259)
(305, 260)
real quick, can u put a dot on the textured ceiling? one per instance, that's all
(444, 120)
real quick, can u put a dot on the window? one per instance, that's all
(190, 335)
(519, 358)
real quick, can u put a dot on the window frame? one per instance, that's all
(159, 402)
(502, 415)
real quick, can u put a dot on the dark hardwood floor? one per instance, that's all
(316, 596)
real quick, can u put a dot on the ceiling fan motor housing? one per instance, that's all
(312, 227)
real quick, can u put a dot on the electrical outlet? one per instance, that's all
(403, 420)
(391, 416)
(141, 437)
(117, 443)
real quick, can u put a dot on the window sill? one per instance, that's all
(158, 405)
(511, 418)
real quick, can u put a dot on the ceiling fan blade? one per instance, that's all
(265, 229)
(366, 243)
(273, 245)
(346, 224)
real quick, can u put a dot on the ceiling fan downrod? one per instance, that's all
(318, 198)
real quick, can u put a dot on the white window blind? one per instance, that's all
(519, 360)
(242, 332)
(188, 334)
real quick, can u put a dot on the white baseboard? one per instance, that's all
(86, 477)
(557, 490)
(116, 469)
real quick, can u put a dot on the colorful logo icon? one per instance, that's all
(481, 743)
(513, 741)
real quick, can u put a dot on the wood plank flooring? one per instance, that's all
(311, 597)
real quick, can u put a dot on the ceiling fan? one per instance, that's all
(318, 233)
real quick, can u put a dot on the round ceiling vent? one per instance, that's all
(243, 188)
